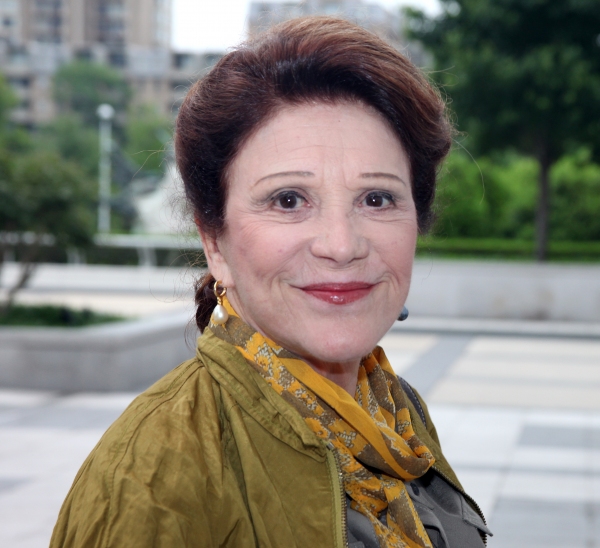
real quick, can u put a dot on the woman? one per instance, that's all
(309, 158)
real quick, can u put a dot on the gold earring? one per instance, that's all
(220, 314)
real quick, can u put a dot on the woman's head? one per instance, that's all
(314, 69)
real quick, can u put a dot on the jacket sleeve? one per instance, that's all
(158, 478)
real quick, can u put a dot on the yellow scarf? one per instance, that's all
(372, 434)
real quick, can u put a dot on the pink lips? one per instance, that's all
(342, 293)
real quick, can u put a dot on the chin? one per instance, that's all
(340, 345)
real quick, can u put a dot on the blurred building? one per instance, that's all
(37, 36)
(371, 16)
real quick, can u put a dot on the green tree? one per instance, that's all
(491, 197)
(68, 137)
(575, 213)
(147, 133)
(12, 138)
(8, 100)
(81, 86)
(43, 199)
(522, 75)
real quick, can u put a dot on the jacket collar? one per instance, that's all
(251, 392)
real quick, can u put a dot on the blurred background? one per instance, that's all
(98, 254)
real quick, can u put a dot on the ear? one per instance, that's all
(216, 259)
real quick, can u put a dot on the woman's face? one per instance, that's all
(320, 231)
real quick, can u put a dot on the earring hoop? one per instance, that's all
(218, 295)
(220, 314)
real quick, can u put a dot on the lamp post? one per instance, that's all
(105, 113)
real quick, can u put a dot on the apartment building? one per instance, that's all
(371, 16)
(38, 36)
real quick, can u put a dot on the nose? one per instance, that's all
(338, 238)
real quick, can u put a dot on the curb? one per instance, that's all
(499, 328)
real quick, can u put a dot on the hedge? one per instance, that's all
(506, 249)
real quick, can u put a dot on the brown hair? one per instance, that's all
(307, 59)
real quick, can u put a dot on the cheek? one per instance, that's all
(258, 249)
(396, 247)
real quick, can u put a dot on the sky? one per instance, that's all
(215, 25)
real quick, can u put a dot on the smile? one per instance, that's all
(342, 293)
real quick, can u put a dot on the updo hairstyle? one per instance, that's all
(297, 62)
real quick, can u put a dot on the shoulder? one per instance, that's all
(149, 475)
(166, 412)
(176, 397)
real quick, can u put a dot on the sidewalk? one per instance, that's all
(516, 404)
(519, 419)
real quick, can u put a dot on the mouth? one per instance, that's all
(339, 293)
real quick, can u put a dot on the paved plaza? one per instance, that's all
(518, 416)
(519, 419)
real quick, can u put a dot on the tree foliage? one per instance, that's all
(138, 137)
(48, 187)
(575, 213)
(522, 74)
(494, 197)
(8, 100)
(42, 197)
(50, 196)
(73, 141)
(81, 86)
(147, 133)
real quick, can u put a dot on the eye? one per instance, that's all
(378, 200)
(289, 200)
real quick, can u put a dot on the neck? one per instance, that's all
(345, 375)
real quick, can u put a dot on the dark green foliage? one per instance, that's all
(47, 196)
(502, 248)
(80, 86)
(53, 316)
(8, 100)
(41, 197)
(575, 213)
(147, 133)
(494, 197)
(138, 134)
(486, 198)
(69, 137)
(522, 75)
(13, 140)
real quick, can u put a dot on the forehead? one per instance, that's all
(308, 136)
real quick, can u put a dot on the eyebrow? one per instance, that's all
(382, 175)
(287, 174)
(374, 175)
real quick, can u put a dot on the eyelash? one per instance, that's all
(276, 200)
(378, 194)
(287, 194)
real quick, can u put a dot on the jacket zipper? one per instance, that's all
(338, 470)
(343, 496)
(468, 497)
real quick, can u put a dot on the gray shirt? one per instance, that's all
(448, 519)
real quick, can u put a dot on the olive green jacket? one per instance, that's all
(211, 456)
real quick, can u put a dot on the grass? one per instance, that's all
(53, 316)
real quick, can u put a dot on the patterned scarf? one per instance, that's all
(372, 435)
